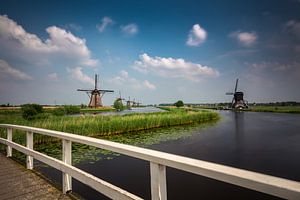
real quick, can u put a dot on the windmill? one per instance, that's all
(95, 94)
(129, 103)
(238, 101)
(133, 103)
(120, 97)
(138, 104)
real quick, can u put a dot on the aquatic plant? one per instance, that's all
(99, 125)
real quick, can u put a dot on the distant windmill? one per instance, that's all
(129, 103)
(138, 104)
(133, 103)
(238, 101)
(95, 95)
(120, 97)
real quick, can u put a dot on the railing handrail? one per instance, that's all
(256, 181)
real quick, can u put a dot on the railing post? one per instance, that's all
(29, 144)
(9, 138)
(158, 181)
(67, 158)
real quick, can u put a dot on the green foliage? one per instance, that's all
(59, 111)
(179, 103)
(118, 105)
(101, 125)
(66, 110)
(277, 109)
(83, 106)
(30, 111)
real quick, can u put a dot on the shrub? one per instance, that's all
(179, 103)
(118, 105)
(30, 111)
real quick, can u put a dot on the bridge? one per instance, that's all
(158, 162)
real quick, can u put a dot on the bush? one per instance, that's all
(118, 105)
(66, 110)
(179, 103)
(30, 111)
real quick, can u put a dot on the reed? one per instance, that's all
(99, 125)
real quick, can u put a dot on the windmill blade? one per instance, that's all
(232, 102)
(229, 93)
(96, 81)
(84, 90)
(236, 85)
(106, 90)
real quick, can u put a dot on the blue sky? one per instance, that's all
(153, 51)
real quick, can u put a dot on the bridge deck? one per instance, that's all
(16, 182)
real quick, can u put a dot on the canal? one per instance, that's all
(262, 142)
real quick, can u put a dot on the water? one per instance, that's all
(263, 142)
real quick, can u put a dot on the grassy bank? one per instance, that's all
(259, 108)
(276, 109)
(99, 125)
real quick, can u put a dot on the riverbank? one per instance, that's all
(100, 125)
(274, 109)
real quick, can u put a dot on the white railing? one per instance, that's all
(158, 162)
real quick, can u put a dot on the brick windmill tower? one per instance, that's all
(238, 101)
(95, 94)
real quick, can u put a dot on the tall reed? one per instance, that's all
(99, 125)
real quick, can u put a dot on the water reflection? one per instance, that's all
(239, 135)
(262, 142)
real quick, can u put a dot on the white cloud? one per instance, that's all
(53, 76)
(130, 29)
(174, 68)
(273, 66)
(149, 85)
(61, 45)
(77, 74)
(124, 79)
(293, 26)
(246, 39)
(6, 69)
(196, 36)
(105, 22)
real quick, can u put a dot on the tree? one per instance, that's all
(118, 105)
(179, 103)
(30, 111)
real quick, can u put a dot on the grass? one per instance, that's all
(99, 125)
(260, 108)
(277, 109)
(130, 128)
(96, 110)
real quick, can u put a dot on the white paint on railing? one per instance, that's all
(67, 158)
(94, 182)
(158, 161)
(9, 138)
(29, 145)
(158, 181)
